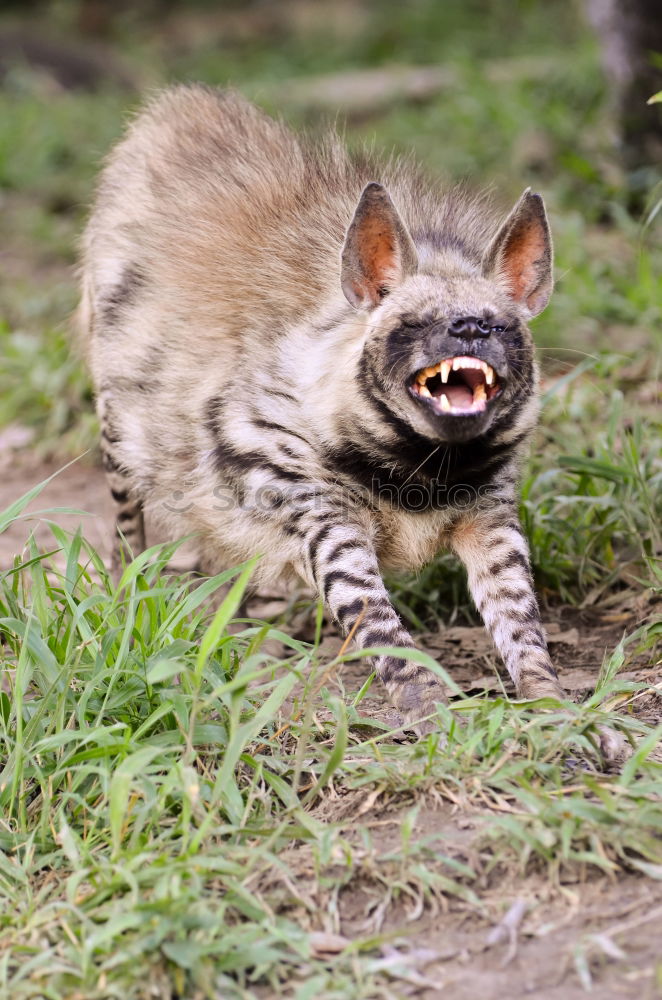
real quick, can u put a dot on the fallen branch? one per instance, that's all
(361, 93)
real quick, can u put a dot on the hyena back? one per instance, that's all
(321, 359)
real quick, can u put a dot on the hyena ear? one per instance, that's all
(521, 254)
(378, 252)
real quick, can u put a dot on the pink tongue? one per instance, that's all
(459, 395)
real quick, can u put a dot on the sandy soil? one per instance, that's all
(533, 938)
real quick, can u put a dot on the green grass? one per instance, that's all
(163, 779)
(181, 806)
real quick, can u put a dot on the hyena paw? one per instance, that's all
(416, 700)
(116, 564)
(530, 688)
(614, 748)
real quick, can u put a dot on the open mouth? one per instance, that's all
(459, 386)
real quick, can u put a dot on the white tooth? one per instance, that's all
(443, 402)
(457, 364)
(445, 370)
(489, 375)
(424, 391)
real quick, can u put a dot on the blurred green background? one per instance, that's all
(499, 94)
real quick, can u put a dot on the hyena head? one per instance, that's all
(447, 349)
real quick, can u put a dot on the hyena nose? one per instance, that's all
(469, 326)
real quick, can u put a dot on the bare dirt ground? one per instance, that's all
(81, 486)
(533, 938)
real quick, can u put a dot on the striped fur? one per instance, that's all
(254, 308)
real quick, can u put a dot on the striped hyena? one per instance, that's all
(322, 359)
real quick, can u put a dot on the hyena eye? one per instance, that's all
(497, 329)
(411, 323)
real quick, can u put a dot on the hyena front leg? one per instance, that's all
(344, 566)
(129, 535)
(494, 550)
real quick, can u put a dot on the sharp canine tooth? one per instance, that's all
(489, 375)
(479, 393)
(443, 402)
(445, 370)
(424, 391)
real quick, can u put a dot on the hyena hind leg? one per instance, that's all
(129, 534)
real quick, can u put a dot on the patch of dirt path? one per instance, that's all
(81, 486)
(607, 930)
